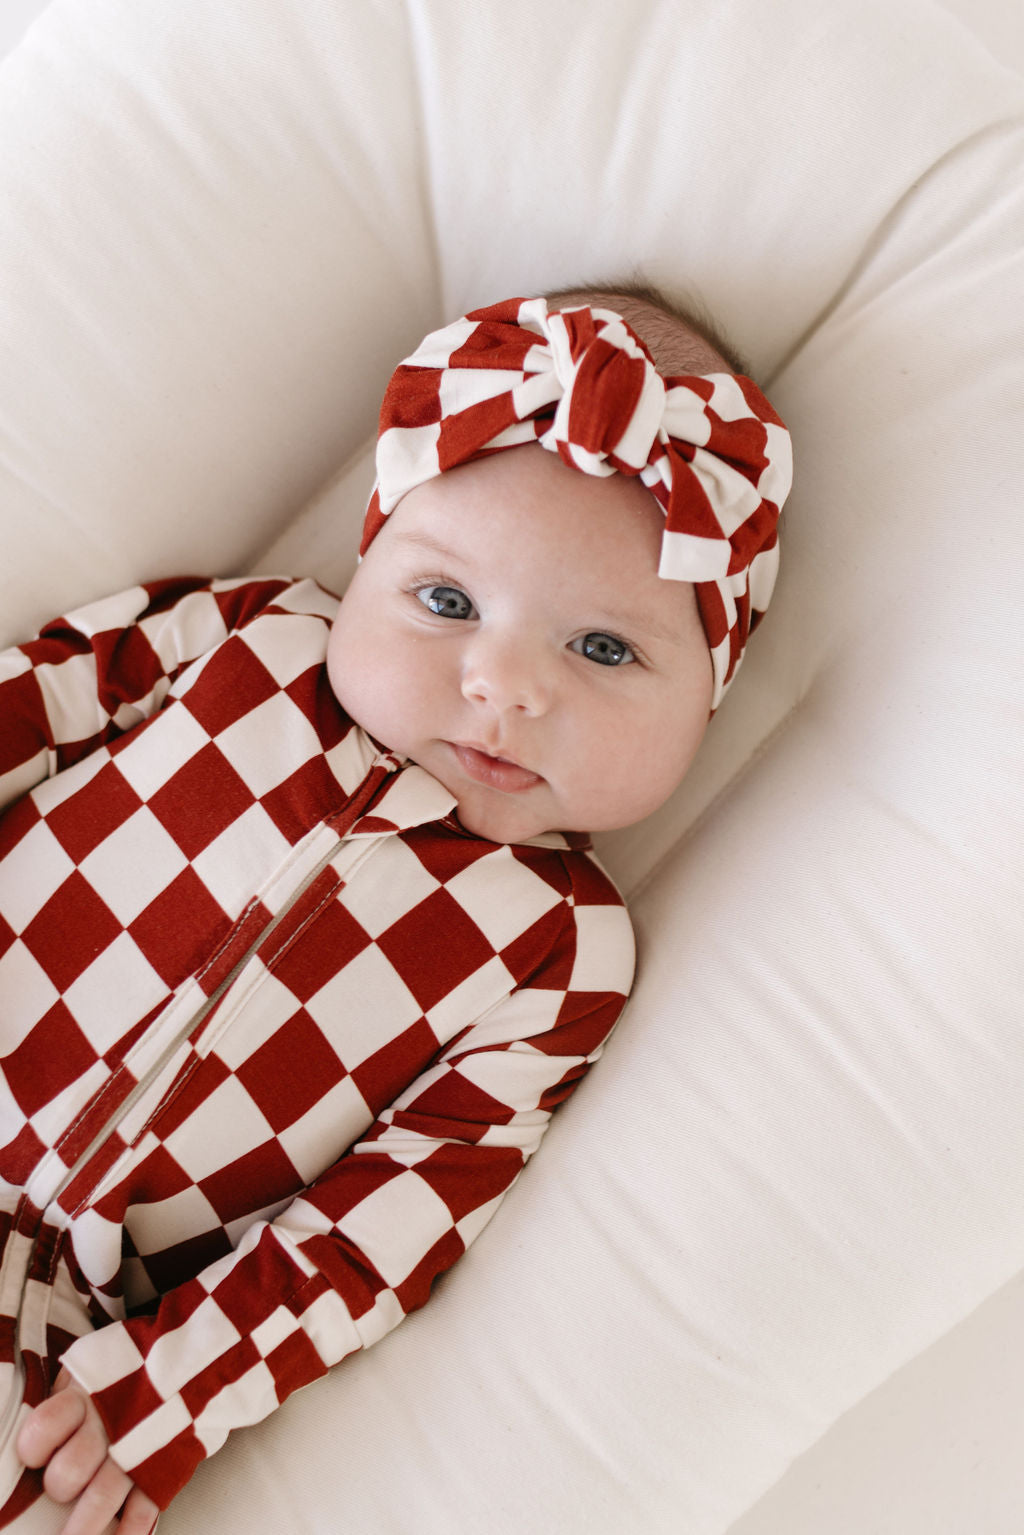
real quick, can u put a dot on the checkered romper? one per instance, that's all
(277, 1034)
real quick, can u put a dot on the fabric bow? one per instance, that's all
(709, 447)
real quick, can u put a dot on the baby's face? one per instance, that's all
(507, 630)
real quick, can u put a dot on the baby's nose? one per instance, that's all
(507, 674)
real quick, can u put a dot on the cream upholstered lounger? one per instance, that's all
(800, 1164)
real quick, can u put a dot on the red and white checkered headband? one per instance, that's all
(709, 448)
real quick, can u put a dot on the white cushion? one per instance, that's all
(800, 1160)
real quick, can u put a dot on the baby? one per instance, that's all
(301, 940)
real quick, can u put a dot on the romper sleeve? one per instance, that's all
(360, 1248)
(93, 674)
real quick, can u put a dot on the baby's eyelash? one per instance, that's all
(421, 583)
(453, 601)
(603, 647)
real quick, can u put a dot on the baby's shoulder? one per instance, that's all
(596, 921)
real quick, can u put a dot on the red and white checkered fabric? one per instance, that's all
(710, 448)
(277, 1034)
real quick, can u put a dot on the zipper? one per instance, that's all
(380, 770)
(193, 1022)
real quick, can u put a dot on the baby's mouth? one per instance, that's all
(495, 772)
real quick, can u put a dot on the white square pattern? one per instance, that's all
(233, 863)
(131, 866)
(502, 896)
(23, 977)
(224, 1127)
(320, 1136)
(30, 874)
(268, 743)
(120, 970)
(391, 884)
(288, 646)
(404, 1204)
(153, 757)
(160, 1223)
(600, 933)
(364, 1007)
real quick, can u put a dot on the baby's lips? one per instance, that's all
(494, 772)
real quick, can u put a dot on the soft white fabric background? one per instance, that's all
(801, 1162)
(935, 1450)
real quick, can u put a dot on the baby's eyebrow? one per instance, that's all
(426, 542)
(641, 626)
(639, 621)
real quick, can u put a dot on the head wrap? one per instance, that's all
(709, 447)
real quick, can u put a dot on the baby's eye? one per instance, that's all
(605, 649)
(446, 601)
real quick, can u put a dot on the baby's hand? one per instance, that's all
(66, 1435)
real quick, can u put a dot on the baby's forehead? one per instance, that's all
(525, 507)
(536, 481)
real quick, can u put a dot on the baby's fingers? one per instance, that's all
(74, 1465)
(96, 1511)
(49, 1426)
(139, 1515)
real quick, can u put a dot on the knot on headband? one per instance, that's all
(579, 381)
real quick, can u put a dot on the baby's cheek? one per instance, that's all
(637, 775)
(377, 692)
(350, 671)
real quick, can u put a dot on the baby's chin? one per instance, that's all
(507, 819)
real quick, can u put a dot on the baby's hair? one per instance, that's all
(682, 337)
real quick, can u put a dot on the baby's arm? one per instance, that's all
(90, 676)
(66, 1435)
(359, 1249)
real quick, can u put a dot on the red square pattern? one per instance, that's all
(198, 1392)
(70, 930)
(348, 1182)
(313, 694)
(294, 1363)
(157, 1177)
(451, 1105)
(259, 1178)
(240, 602)
(550, 941)
(179, 930)
(390, 1069)
(233, 682)
(16, 822)
(466, 1184)
(127, 667)
(319, 950)
(201, 800)
(445, 853)
(288, 1074)
(22, 736)
(133, 1393)
(420, 945)
(345, 1269)
(414, 1291)
(584, 1020)
(50, 1058)
(21, 1156)
(248, 1292)
(311, 792)
(98, 808)
(170, 1268)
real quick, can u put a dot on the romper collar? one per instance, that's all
(411, 796)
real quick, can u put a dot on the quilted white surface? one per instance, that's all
(800, 1163)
